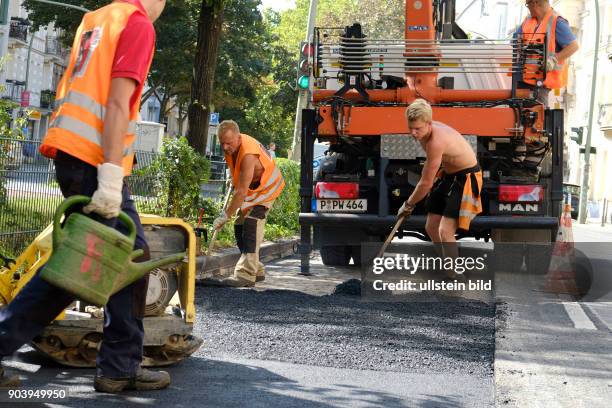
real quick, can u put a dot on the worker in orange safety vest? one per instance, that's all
(90, 139)
(257, 183)
(544, 23)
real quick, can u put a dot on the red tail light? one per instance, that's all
(337, 190)
(521, 193)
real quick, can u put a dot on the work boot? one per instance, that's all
(261, 273)
(145, 380)
(237, 282)
(12, 381)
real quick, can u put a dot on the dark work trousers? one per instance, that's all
(39, 302)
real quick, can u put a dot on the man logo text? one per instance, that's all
(519, 207)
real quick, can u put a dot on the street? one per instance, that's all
(292, 342)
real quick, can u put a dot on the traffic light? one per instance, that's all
(578, 131)
(592, 151)
(304, 65)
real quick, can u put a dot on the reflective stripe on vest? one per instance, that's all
(276, 174)
(85, 102)
(85, 131)
(262, 198)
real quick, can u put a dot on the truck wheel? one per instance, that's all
(537, 258)
(336, 255)
(508, 257)
(356, 255)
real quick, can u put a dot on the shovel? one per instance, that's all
(391, 235)
(214, 281)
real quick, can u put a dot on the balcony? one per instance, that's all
(13, 90)
(19, 29)
(47, 99)
(55, 48)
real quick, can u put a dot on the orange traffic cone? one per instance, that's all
(561, 276)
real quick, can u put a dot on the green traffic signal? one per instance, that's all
(303, 82)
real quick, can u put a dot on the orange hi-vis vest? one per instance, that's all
(271, 183)
(77, 124)
(535, 33)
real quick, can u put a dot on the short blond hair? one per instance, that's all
(227, 125)
(419, 110)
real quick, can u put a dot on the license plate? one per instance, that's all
(359, 205)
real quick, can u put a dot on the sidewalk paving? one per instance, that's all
(592, 231)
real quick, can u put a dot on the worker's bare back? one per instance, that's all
(457, 154)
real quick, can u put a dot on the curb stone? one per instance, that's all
(221, 264)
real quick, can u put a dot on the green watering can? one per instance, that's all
(93, 261)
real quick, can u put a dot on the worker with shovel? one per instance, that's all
(454, 198)
(257, 183)
(90, 139)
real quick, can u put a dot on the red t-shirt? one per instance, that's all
(135, 49)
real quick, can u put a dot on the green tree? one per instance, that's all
(244, 58)
(379, 19)
(209, 30)
(67, 19)
(171, 70)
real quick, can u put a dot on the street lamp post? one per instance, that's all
(587, 147)
(302, 101)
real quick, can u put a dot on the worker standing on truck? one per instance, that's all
(454, 198)
(257, 183)
(90, 139)
(561, 44)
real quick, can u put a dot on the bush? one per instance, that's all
(177, 173)
(286, 209)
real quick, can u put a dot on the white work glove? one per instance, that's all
(552, 63)
(106, 200)
(405, 210)
(220, 221)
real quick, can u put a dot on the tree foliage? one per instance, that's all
(379, 18)
(178, 172)
(240, 63)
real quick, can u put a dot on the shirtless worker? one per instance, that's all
(257, 183)
(454, 199)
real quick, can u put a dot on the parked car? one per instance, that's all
(319, 153)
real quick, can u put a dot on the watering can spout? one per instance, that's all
(136, 270)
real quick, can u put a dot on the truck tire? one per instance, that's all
(508, 257)
(336, 255)
(537, 258)
(356, 255)
(514, 246)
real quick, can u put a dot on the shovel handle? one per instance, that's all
(391, 235)
(215, 232)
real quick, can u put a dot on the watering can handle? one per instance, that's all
(81, 199)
